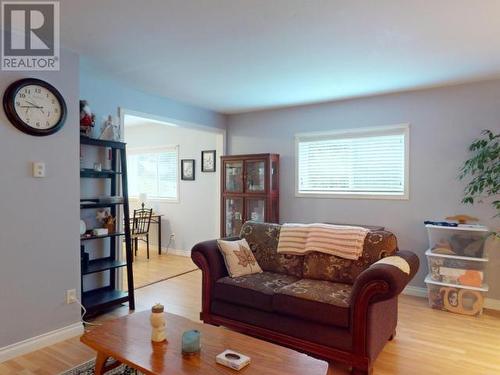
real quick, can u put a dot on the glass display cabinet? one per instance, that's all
(250, 191)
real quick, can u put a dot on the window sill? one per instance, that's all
(160, 200)
(351, 195)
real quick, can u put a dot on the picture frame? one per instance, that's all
(208, 161)
(188, 169)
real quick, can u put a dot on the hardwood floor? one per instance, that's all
(427, 342)
(157, 267)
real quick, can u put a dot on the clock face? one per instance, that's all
(35, 107)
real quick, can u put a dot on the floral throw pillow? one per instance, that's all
(238, 257)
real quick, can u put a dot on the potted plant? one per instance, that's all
(483, 170)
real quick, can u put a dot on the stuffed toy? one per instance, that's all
(87, 118)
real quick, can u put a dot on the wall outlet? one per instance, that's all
(71, 296)
(38, 169)
(172, 236)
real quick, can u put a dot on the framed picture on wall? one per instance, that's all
(187, 169)
(208, 161)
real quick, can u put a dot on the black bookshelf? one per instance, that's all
(98, 204)
(109, 235)
(100, 299)
(84, 140)
(103, 264)
(91, 173)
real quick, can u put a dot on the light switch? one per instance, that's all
(38, 169)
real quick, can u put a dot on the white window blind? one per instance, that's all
(370, 163)
(154, 172)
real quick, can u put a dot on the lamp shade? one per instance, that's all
(143, 197)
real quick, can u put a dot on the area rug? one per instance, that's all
(88, 369)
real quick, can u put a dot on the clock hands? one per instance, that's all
(33, 104)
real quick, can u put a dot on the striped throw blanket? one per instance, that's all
(340, 240)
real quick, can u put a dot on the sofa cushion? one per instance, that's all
(263, 240)
(316, 300)
(256, 290)
(238, 258)
(328, 335)
(377, 245)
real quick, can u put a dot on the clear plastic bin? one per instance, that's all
(457, 270)
(463, 300)
(464, 241)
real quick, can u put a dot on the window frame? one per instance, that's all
(403, 129)
(159, 149)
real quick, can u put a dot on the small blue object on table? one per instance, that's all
(191, 343)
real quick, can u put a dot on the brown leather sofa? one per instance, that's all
(328, 307)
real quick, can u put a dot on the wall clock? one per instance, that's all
(34, 107)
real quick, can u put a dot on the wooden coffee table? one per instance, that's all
(128, 341)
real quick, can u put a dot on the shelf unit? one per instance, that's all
(99, 299)
(103, 264)
(457, 261)
(110, 235)
(90, 173)
(98, 205)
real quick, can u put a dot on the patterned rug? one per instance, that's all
(88, 369)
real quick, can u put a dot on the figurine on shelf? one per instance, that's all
(101, 215)
(87, 118)
(158, 323)
(107, 220)
(110, 130)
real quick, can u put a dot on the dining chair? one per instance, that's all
(140, 228)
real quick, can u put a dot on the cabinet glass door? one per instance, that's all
(233, 216)
(255, 176)
(256, 209)
(234, 176)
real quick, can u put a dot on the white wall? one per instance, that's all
(443, 122)
(39, 230)
(105, 95)
(195, 217)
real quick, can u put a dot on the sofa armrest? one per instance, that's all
(383, 280)
(207, 257)
(379, 282)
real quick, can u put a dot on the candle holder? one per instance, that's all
(158, 324)
(191, 343)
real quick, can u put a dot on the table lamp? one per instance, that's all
(143, 197)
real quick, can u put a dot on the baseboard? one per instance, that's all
(415, 291)
(170, 251)
(489, 303)
(493, 304)
(38, 342)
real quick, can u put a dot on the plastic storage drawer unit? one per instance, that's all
(464, 300)
(457, 270)
(465, 241)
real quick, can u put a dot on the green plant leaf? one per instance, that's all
(482, 169)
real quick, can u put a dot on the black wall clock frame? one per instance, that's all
(9, 99)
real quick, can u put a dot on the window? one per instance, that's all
(367, 163)
(154, 171)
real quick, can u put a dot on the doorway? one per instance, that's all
(184, 211)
